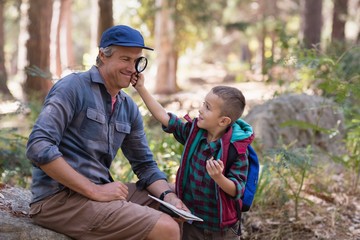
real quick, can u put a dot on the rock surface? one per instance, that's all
(309, 120)
(15, 223)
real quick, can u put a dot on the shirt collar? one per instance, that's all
(97, 78)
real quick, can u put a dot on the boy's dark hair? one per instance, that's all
(234, 101)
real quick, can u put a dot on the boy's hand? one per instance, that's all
(214, 168)
(137, 80)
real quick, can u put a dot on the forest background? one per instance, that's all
(298, 46)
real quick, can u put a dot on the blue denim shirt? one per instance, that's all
(77, 123)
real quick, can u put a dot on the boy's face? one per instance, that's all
(210, 112)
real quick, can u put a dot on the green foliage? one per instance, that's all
(240, 26)
(194, 20)
(283, 176)
(121, 169)
(270, 190)
(35, 107)
(167, 151)
(353, 146)
(351, 160)
(341, 81)
(15, 168)
(306, 125)
(35, 71)
(334, 74)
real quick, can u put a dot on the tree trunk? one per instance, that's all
(105, 16)
(4, 90)
(23, 35)
(38, 78)
(94, 22)
(262, 34)
(312, 23)
(339, 20)
(165, 42)
(64, 49)
(262, 47)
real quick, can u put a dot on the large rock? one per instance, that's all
(316, 114)
(15, 223)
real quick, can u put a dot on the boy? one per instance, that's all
(203, 183)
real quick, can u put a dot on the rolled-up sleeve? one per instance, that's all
(42, 146)
(178, 128)
(238, 174)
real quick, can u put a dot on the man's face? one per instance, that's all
(118, 69)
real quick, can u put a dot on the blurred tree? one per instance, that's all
(187, 23)
(262, 33)
(165, 40)
(339, 20)
(312, 23)
(64, 46)
(105, 16)
(94, 22)
(23, 21)
(267, 10)
(4, 90)
(38, 82)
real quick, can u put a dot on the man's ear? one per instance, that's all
(101, 55)
(225, 121)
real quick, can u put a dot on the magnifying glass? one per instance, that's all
(140, 64)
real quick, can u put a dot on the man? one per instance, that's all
(85, 119)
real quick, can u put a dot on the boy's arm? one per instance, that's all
(154, 106)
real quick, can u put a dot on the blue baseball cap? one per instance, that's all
(122, 35)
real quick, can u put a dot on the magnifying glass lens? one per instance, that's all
(140, 64)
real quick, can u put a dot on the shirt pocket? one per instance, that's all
(93, 126)
(121, 131)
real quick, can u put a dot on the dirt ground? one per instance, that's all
(334, 217)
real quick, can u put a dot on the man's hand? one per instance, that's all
(173, 199)
(109, 192)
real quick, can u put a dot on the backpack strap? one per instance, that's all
(232, 156)
(252, 179)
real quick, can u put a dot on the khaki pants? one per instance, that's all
(74, 215)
